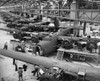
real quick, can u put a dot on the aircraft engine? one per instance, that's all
(47, 46)
(91, 45)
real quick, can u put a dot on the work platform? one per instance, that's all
(78, 55)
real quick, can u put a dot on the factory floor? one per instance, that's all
(7, 69)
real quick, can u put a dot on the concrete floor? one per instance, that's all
(7, 69)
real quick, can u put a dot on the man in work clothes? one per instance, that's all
(36, 69)
(20, 74)
(5, 46)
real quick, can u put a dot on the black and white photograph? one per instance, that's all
(49, 40)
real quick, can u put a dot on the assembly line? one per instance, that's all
(55, 44)
(50, 45)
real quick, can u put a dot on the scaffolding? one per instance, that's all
(75, 54)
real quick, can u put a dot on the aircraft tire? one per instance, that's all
(91, 45)
(67, 45)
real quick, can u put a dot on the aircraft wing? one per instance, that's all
(77, 27)
(3, 22)
(73, 68)
(38, 23)
(28, 58)
(85, 39)
(69, 37)
(8, 30)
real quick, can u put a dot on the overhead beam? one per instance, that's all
(87, 10)
(5, 2)
(84, 20)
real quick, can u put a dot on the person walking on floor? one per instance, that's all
(14, 61)
(5, 46)
(20, 74)
(35, 71)
(16, 68)
(15, 64)
(25, 67)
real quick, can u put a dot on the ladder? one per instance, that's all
(60, 55)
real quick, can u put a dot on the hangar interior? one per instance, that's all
(60, 37)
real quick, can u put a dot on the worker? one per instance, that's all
(98, 44)
(37, 50)
(20, 74)
(23, 45)
(40, 72)
(25, 67)
(36, 69)
(56, 23)
(16, 68)
(33, 48)
(5, 46)
(13, 61)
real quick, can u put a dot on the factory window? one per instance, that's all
(89, 4)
